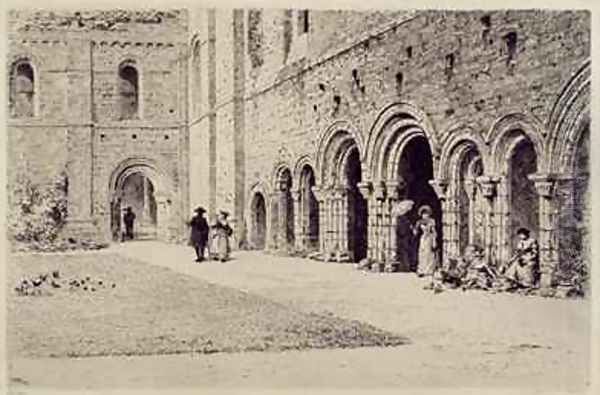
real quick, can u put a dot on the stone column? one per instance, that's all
(330, 223)
(488, 191)
(366, 190)
(502, 217)
(379, 242)
(299, 231)
(272, 241)
(146, 213)
(548, 255)
(320, 196)
(283, 220)
(391, 220)
(341, 196)
(440, 186)
(471, 190)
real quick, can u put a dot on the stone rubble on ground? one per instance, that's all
(46, 284)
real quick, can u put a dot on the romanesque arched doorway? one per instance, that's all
(139, 185)
(414, 173)
(465, 209)
(259, 221)
(342, 208)
(136, 191)
(309, 210)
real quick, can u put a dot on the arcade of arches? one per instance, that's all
(481, 190)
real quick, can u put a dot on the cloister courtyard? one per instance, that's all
(264, 321)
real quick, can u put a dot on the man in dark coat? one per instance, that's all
(128, 219)
(199, 233)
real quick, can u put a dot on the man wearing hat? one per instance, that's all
(199, 233)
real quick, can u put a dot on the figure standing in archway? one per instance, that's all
(425, 230)
(128, 219)
(199, 233)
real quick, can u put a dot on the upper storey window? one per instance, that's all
(128, 91)
(22, 95)
(303, 22)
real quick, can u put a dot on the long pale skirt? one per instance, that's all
(427, 259)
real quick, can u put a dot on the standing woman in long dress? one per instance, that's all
(424, 229)
(222, 233)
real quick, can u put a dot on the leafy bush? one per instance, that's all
(37, 213)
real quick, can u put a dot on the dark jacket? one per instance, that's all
(199, 233)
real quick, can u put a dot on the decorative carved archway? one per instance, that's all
(162, 190)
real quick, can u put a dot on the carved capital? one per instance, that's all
(365, 188)
(488, 186)
(545, 184)
(470, 188)
(440, 186)
(295, 195)
(318, 192)
(339, 192)
(380, 191)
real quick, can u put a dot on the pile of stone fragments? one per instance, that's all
(46, 283)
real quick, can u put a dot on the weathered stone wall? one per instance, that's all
(77, 124)
(550, 47)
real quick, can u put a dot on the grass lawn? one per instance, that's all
(153, 310)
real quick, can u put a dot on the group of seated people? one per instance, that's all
(471, 271)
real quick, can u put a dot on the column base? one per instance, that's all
(378, 267)
(394, 267)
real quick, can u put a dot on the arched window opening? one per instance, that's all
(128, 91)
(23, 91)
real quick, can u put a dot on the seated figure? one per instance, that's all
(479, 275)
(522, 269)
(455, 270)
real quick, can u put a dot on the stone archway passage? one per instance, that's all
(308, 211)
(137, 182)
(135, 190)
(259, 221)
(523, 197)
(282, 209)
(415, 170)
(357, 209)
(464, 209)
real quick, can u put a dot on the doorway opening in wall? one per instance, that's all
(415, 171)
(259, 221)
(524, 207)
(309, 215)
(358, 210)
(135, 191)
(283, 212)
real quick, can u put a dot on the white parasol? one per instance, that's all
(402, 207)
